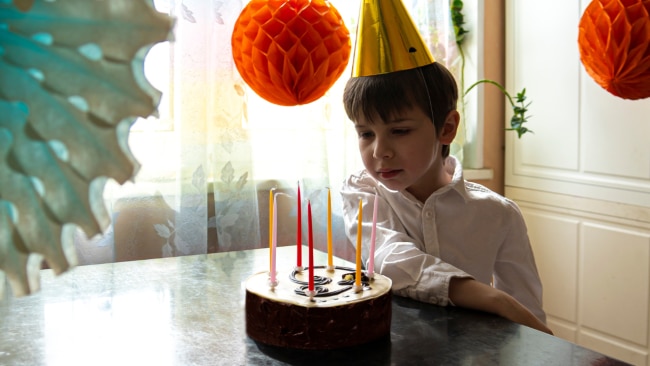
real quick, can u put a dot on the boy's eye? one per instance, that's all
(365, 134)
(401, 131)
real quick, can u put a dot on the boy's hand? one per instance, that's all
(472, 294)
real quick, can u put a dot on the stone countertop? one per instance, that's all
(190, 311)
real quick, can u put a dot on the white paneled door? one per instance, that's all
(583, 183)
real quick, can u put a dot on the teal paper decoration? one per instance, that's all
(71, 84)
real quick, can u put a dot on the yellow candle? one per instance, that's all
(357, 277)
(329, 229)
(271, 228)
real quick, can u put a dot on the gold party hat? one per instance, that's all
(387, 40)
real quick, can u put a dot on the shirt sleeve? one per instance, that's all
(414, 273)
(515, 271)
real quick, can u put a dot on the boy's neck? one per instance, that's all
(437, 178)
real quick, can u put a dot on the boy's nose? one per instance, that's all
(382, 150)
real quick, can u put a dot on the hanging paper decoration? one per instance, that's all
(614, 42)
(71, 84)
(290, 52)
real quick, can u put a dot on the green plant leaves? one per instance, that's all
(458, 19)
(71, 84)
(519, 114)
(519, 108)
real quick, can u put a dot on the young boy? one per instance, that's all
(439, 238)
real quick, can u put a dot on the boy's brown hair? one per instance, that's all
(432, 88)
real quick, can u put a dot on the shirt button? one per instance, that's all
(428, 214)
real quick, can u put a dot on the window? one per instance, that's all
(271, 125)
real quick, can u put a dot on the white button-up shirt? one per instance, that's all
(462, 230)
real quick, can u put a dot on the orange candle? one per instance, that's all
(357, 277)
(311, 249)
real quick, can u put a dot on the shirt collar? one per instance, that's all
(457, 184)
(457, 181)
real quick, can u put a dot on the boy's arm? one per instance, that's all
(414, 273)
(419, 275)
(515, 271)
(472, 294)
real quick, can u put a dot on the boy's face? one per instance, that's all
(404, 153)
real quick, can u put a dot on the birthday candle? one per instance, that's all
(299, 231)
(329, 229)
(275, 240)
(270, 225)
(357, 279)
(311, 249)
(373, 238)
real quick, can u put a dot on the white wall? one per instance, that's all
(583, 182)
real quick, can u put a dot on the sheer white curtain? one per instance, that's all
(210, 158)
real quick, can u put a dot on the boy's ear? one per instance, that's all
(449, 129)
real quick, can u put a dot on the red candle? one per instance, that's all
(311, 249)
(299, 232)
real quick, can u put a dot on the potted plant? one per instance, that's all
(518, 104)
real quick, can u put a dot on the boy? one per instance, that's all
(439, 238)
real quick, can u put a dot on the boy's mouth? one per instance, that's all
(388, 174)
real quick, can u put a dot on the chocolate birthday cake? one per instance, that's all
(337, 315)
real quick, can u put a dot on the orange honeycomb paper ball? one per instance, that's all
(290, 52)
(614, 42)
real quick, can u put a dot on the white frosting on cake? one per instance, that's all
(285, 289)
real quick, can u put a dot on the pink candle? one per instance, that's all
(329, 230)
(274, 244)
(311, 249)
(357, 277)
(270, 226)
(299, 231)
(371, 259)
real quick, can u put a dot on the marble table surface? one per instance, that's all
(190, 311)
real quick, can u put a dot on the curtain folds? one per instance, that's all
(211, 157)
